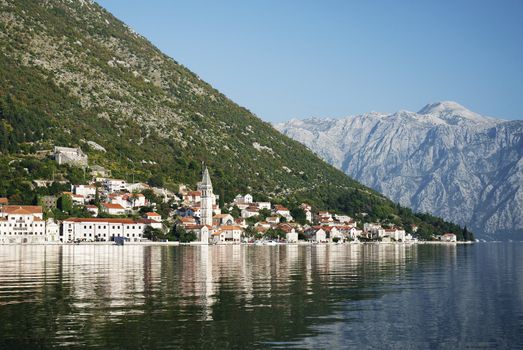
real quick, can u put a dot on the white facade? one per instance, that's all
(291, 237)
(228, 234)
(115, 185)
(23, 224)
(247, 213)
(88, 191)
(94, 229)
(263, 205)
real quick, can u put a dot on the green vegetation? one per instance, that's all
(72, 73)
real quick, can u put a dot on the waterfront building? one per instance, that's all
(101, 229)
(23, 224)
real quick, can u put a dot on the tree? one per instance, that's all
(153, 234)
(235, 212)
(156, 181)
(185, 236)
(188, 237)
(275, 233)
(65, 203)
(250, 231)
(299, 215)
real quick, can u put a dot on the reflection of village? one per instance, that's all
(121, 279)
(127, 211)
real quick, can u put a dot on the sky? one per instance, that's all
(284, 59)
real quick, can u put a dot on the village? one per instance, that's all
(118, 211)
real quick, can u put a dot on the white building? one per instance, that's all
(247, 199)
(228, 234)
(448, 237)
(263, 205)
(100, 229)
(23, 224)
(88, 191)
(249, 212)
(113, 209)
(115, 185)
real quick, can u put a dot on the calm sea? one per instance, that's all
(219, 297)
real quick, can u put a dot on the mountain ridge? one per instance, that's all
(448, 161)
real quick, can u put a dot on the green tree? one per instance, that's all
(65, 203)
(299, 215)
(153, 234)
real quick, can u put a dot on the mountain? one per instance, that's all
(73, 75)
(444, 159)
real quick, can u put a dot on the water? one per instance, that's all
(218, 297)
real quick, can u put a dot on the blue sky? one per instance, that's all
(285, 59)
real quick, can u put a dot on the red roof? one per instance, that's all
(152, 214)
(230, 228)
(3, 200)
(32, 209)
(112, 206)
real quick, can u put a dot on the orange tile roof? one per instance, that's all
(152, 214)
(230, 228)
(32, 209)
(112, 206)
(3, 200)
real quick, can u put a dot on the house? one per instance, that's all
(324, 215)
(88, 191)
(263, 205)
(228, 234)
(249, 212)
(448, 237)
(152, 223)
(203, 232)
(316, 234)
(240, 222)
(135, 200)
(115, 185)
(22, 224)
(34, 210)
(153, 216)
(273, 219)
(239, 199)
(187, 221)
(223, 219)
(3, 201)
(342, 218)
(93, 209)
(395, 234)
(282, 211)
(101, 229)
(291, 236)
(333, 234)
(71, 156)
(113, 209)
(192, 197)
(308, 211)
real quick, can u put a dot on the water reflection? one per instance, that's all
(283, 296)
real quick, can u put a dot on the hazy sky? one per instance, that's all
(287, 59)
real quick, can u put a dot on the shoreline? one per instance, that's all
(228, 244)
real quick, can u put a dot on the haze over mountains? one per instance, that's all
(444, 159)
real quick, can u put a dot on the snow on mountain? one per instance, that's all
(444, 159)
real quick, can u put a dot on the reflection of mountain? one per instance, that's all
(247, 297)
